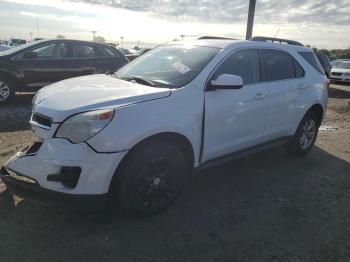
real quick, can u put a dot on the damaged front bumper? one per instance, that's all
(58, 172)
(28, 188)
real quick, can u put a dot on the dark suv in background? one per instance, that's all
(34, 65)
(325, 63)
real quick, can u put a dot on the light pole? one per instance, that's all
(250, 21)
(93, 35)
(122, 38)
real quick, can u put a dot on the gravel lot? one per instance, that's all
(267, 207)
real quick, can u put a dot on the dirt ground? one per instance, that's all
(267, 207)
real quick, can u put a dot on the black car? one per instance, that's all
(34, 65)
(138, 53)
(325, 63)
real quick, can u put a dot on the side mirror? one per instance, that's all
(30, 55)
(227, 81)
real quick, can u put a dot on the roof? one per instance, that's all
(225, 43)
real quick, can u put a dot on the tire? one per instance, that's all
(305, 136)
(151, 179)
(7, 90)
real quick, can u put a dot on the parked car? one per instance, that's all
(34, 65)
(131, 139)
(16, 42)
(341, 71)
(4, 47)
(325, 63)
(138, 53)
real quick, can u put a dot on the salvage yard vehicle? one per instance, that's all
(341, 71)
(138, 53)
(39, 63)
(131, 139)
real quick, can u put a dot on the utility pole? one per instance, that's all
(31, 36)
(250, 21)
(37, 27)
(122, 38)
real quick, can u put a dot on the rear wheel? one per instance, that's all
(7, 90)
(305, 135)
(152, 178)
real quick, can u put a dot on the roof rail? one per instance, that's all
(273, 40)
(206, 37)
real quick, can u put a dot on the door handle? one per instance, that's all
(259, 96)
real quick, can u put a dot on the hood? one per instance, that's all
(340, 70)
(80, 94)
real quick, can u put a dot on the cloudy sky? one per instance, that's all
(320, 23)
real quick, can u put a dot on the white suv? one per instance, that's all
(131, 138)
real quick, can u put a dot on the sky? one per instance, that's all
(319, 23)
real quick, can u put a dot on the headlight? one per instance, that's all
(79, 128)
(34, 98)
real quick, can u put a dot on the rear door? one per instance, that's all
(82, 60)
(284, 78)
(110, 59)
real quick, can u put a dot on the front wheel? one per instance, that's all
(152, 178)
(305, 136)
(7, 91)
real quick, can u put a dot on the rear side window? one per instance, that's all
(106, 51)
(313, 61)
(83, 51)
(278, 65)
(244, 63)
(299, 71)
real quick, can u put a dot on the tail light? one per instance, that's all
(328, 82)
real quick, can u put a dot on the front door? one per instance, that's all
(44, 69)
(235, 119)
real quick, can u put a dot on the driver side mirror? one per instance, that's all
(226, 81)
(30, 55)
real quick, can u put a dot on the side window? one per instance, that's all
(45, 51)
(244, 63)
(106, 51)
(313, 61)
(278, 65)
(83, 51)
(299, 71)
(61, 51)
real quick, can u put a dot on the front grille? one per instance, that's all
(41, 120)
(336, 74)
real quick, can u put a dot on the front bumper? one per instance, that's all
(96, 169)
(35, 192)
(341, 78)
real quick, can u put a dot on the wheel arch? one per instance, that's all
(11, 77)
(177, 139)
(319, 111)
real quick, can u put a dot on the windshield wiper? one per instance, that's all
(139, 80)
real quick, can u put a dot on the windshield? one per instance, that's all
(170, 66)
(19, 48)
(342, 65)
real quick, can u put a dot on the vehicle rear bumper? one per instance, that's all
(37, 193)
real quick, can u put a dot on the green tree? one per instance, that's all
(60, 36)
(99, 39)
